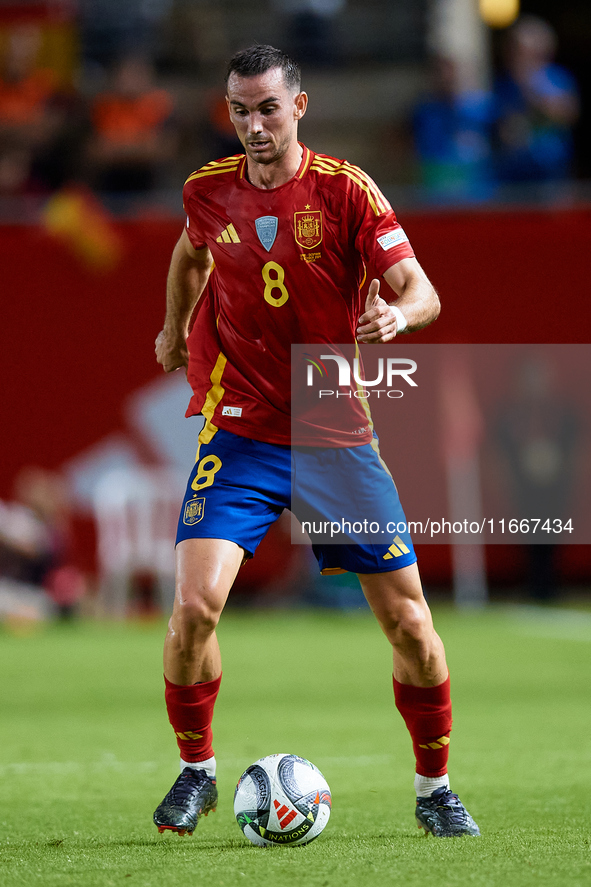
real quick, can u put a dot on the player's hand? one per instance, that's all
(171, 351)
(378, 322)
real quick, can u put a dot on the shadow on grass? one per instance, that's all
(173, 843)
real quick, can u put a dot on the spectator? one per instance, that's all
(34, 125)
(133, 133)
(15, 167)
(537, 105)
(35, 539)
(452, 128)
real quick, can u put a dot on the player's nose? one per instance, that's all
(256, 124)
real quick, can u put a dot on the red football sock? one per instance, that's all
(427, 715)
(190, 711)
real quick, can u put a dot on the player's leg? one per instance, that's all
(236, 490)
(421, 692)
(205, 572)
(396, 599)
(351, 487)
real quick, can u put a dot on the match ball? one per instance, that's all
(282, 799)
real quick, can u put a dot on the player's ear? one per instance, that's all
(300, 104)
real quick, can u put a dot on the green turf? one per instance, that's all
(86, 753)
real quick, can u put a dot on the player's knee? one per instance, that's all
(196, 614)
(413, 629)
(408, 624)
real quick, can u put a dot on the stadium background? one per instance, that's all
(83, 273)
(85, 746)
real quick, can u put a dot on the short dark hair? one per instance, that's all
(259, 59)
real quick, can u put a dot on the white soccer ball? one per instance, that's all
(282, 799)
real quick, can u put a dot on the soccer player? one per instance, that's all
(274, 247)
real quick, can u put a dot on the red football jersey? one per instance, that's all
(289, 267)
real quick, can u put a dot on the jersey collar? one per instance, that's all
(307, 157)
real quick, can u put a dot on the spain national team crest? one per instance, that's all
(194, 510)
(308, 228)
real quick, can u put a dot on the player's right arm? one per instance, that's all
(188, 274)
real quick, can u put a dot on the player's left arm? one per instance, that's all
(417, 300)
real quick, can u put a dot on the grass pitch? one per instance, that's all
(86, 753)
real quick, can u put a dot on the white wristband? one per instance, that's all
(400, 319)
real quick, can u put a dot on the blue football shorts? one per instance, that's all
(344, 498)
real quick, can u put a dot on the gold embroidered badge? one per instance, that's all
(308, 228)
(194, 510)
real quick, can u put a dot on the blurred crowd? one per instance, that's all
(471, 143)
(51, 134)
(37, 575)
(90, 97)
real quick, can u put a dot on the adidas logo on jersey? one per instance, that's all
(228, 235)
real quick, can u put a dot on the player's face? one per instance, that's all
(265, 113)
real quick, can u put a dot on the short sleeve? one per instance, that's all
(193, 230)
(380, 239)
